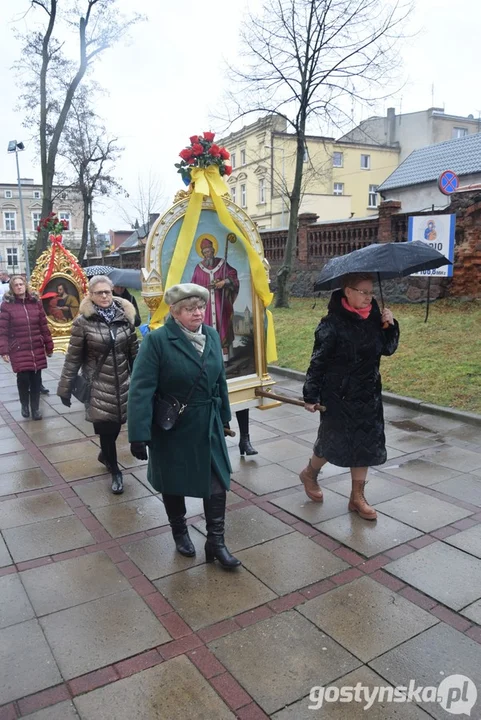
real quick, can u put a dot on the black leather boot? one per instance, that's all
(175, 509)
(245, 446)
(35, 406)
(215, 549)
(44, 390)
(117, 483)
(24, 396)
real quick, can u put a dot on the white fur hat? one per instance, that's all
(176, 293)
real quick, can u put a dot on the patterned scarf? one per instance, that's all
(108, 314)
(196, 338)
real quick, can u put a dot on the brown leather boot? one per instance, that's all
(308, 477)
(359, 504)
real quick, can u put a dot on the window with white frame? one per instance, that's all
(338, 189)
(36, 194)
(10, 220)
(36, 217)
(65, 216)
(12, 257)
(372, 196)
(233, 194)
(262, 191)
(337, 159)
(459, 132)
(8, 194)
(243, 157)
(243, 191)
(365, 162)
(232, 160)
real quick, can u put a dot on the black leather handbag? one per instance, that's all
(167, 409)
(82, 386)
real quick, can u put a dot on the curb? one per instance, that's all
(412, 403)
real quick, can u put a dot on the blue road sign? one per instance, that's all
(448, 182)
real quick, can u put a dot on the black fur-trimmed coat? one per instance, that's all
(344, 376)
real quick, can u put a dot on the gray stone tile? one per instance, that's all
(296, 424)
(473, 612)
(71, 451)
(422, 511)
(277, 413)
(367, 537)
(298, 504)
(260, 432)
(127, 460)
(27, 663)
(290, 562)
(174, 690)
(299, 463)
(15, 606)
(278, 660)
(285, 449)
(262, 480)
(33, 508)
(430, 657)
(408, 442)
(206, 594)
(366, 618)
(10, 445)
(468, 433)
(420, 471)
(156, 556)
(19, 461)
(46, 538)
(378, 488)
(394, 412)
(5, 558)
(98, 492)
(6, 433)
(445, 573)
(102, 631)
(72, 582)
(246, 462)
(354, 710)
(249, 526)
(456, 458)
(15, 411)
(80, 468)
(131, 517)
(22, 480)
(467, 540)
(77, 419)
(438, 423)
(52, 430)
(462, 487)
(62, 711)
(309, 437)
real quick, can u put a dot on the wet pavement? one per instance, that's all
(100, 618)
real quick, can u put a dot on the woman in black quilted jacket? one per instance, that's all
(344, 376)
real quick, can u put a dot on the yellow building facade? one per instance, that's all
(340, 179)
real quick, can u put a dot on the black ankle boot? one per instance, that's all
(24, 396)
(35, 406)
(215, 549)
(102, 460)
(181, 536)
(117, 483)
(245, 446)
(44, 390)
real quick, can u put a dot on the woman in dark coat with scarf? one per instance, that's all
(25, 342)
(344, 376)
(184, 357)
(103, 344)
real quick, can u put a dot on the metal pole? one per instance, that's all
(25, 248)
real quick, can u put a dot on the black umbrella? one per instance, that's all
(124, 277)
(386, 260)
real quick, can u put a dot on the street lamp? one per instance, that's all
(275, 147)
(14, 147)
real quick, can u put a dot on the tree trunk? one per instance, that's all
(93, 247)
(283, 275)
(85, 228)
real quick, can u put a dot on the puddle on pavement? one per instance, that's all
(410, 426)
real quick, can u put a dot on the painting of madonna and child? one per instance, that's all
(219, 263)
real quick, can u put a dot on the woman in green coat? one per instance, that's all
(185, 356)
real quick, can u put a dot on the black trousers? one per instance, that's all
(175, 504)
(108, 433)
(243, 420)
(29, 381)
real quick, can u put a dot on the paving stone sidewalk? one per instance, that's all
(99, 618)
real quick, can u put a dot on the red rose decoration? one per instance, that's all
(225, 155)
(209, 136)
(191, 160)
(214, 150)
(194, 139)
(227, 169)
(38, 228)
(185, 154)
(197, 149)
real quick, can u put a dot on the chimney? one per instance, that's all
(391, 126)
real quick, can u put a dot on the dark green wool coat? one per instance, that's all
(181, 460)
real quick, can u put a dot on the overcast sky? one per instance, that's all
(166, 81)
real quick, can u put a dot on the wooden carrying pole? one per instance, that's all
(284, 399)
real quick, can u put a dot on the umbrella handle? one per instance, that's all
(385, 326)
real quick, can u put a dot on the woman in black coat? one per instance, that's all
(344, 376)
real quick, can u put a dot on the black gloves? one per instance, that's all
(139, 450)
(66, 401)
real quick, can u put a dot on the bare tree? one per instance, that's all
(53, 79)
(91, 155)
(149, 198)
(301, 58)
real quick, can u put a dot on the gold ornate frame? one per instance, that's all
(242, 389)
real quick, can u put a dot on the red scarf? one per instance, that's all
(363, 312)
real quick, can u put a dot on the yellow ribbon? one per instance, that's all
(207, 181)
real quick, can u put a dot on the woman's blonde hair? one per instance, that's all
(93, 282)
(353, 279)
(18, 277)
